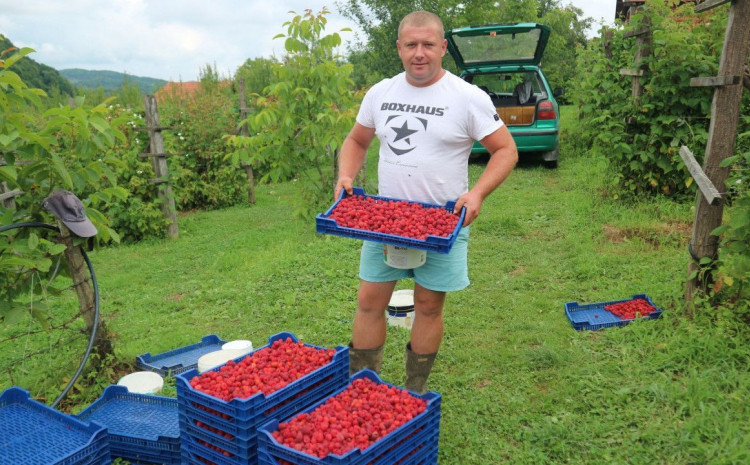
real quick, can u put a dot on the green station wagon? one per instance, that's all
(504, 61)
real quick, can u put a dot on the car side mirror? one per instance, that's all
(558, 91)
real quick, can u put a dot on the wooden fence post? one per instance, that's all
(642, 51)
(81, 283)
(159, 162)
(722, 133)
(244, 132)
(8, 196)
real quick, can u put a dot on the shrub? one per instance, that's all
(641, 138)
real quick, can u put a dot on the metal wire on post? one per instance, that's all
(95, 285)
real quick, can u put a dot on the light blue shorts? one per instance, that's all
(441, 272)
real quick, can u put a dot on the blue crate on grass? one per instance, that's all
(594, 316)
(326, 225)
(415, 442)
(138, 424)
(225, 432)
(179, 360)
(33, 433)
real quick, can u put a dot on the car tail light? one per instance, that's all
(545, 110)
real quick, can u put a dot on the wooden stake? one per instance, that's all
(243, 132)
(725, 113)
(159, 163)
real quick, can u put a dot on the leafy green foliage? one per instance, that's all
(199, 174)
(257, 74)
(642, 136)
(139, 215)
(42, 150)
(303, 115)
(734, 253)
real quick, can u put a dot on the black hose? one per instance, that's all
(96, 304)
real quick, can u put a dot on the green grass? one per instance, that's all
(518, 384)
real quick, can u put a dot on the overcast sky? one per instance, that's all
(172, 39)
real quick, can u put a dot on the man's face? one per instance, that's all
(421, 49)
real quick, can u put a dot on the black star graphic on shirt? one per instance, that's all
(403, 132)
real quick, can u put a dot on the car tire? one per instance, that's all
(550, 157)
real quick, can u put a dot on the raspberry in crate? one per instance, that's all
(400, 218)
(367, 422)
(395, 222)
(266, 370)
(609, 314)
(221, 409)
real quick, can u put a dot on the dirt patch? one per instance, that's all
(674, 233)
(177, 297)
(517, 271)
(483, 383)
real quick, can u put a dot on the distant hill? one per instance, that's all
(37, 75)
(109, 80)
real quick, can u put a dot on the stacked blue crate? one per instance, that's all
(179, 360)
(225, 433)
(142, 428)
(33, 433)
(413, 443)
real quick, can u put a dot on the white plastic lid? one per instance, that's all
(216, 358)
(239, 344)
(142, 382)
(402, 300)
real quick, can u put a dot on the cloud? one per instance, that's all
(168, 39)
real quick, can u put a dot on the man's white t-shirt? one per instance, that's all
(426, 135)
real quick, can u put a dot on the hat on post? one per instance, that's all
(69, 209)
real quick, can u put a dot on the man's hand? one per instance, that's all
(473, 204)
(352, 156)
(344, 183)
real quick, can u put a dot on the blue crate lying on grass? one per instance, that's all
(33, 433)
(414, 442)
(326, 225)
(141, 427)
(225, 432)
(594, 316)
(179, 360)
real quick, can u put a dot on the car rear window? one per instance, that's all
(498, 47)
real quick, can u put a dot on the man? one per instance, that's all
(427, 120)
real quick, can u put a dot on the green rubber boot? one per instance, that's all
(359, 359)
(418, 367)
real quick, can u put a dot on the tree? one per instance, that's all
(379, 21)
(567, 37)
(257, 74)
(303, 115)
(40, 151)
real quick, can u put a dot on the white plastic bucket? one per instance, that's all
(404, 258)
(239, 344)
(400, 311)
(142, 382)
(217, 357)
